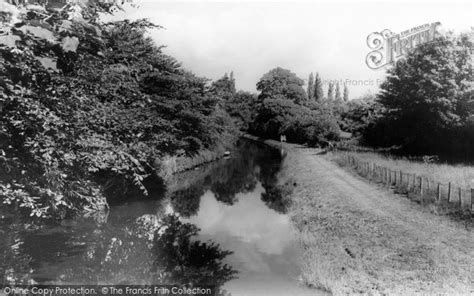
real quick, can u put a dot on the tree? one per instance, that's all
(85, 106)
(281, 82)
(310, 90)
(299, 123)
(242, 107)
(331, 91)
(358, 114)
(338, 93)
(346, 93)
(318, 89)
(224, 87)
(426, 99)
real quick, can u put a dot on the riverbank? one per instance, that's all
(360, 239)
(171, 165)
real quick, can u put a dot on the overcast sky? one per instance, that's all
(250, 38)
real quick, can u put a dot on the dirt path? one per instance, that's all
(359, 238)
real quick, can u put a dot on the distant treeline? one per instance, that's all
(425, 105)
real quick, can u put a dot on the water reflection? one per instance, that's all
(224, 218)
(241, 207)
(249, 221)
(83, 254)
(249, 165)
(179, 259)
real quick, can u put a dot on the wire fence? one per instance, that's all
(416, 187)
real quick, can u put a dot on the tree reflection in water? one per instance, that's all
(276, 197)
(248, 165)
(159, 251)
(179, 259)
(186, 201)
(116, 256)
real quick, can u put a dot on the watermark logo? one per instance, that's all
(387, 46)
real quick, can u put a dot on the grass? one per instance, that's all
(460, 175)
(360, 245)
(424, 183)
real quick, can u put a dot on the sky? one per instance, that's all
(250, 38)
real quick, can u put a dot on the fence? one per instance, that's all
(416, 187)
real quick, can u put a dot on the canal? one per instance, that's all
(223, 224)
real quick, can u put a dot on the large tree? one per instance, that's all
(338, 93)
(281, 82)
(428, 97)
(318, 89)
(346, 93)
(310, 90)
(331, 91)
(85, 105)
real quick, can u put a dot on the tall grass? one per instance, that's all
(460, 175)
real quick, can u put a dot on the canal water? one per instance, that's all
(222, 224)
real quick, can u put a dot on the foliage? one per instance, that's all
(345, 96)
(318, 88)
(300, 124)
(224, 87)
(310, 90)
(428, 100)
(83, 103)
(282, 109)
(331, 91)
(242, 107)
(338, 96)
(281, 82)
(358, 114)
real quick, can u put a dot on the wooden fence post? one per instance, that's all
(401, 178)
(421, 186)
(438, 192)
(449, 191)
(414, 181)
(460, 197)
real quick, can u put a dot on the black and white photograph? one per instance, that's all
(236, 148)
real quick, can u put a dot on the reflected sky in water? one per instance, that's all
(266, 254)
(221, 217)
(248, 221)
